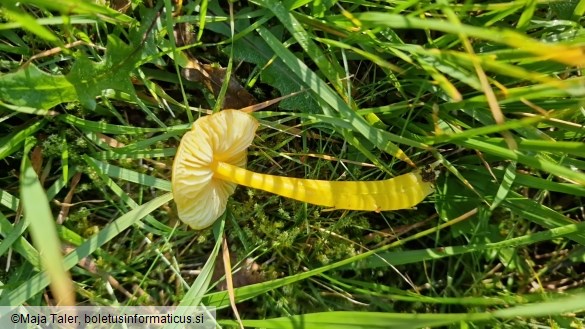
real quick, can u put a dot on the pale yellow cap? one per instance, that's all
(224, 137)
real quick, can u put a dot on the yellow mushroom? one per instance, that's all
(210, 163)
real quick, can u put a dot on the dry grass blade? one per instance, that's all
(229, 279)
(265, 104)
(67, 200)
(53, 51)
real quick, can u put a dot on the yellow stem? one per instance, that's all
(401, 192)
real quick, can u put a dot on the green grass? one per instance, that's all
(93, 103)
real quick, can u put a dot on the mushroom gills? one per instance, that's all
(401, 192)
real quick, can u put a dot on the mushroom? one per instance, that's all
(210, 163)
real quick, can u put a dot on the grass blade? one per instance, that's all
(44, 234)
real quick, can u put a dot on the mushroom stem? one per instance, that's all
(401, 192)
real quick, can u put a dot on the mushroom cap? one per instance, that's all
(220, 137)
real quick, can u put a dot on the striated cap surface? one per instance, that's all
(220, 137)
